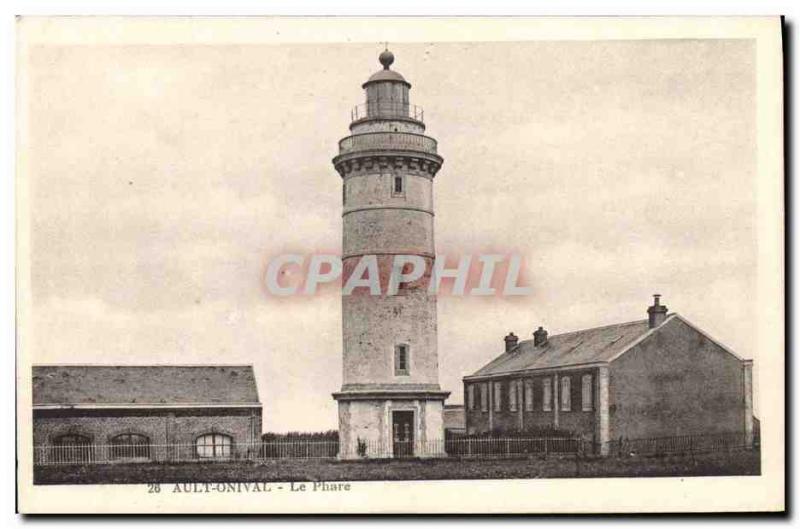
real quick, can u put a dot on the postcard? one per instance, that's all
(400, 265)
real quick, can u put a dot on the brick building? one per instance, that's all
(145, 412)
(657, 377)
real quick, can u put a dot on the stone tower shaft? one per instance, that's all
(390, 360)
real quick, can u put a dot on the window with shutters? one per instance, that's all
(547, 394)
(566, 393)
(498, 396)
(586, 393)
(512, 395)
(471, 397)
(528, 395)
(484, 396)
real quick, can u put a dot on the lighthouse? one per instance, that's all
(390, 403)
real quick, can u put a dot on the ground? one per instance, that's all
(285, 470)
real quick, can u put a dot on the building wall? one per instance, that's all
(676, 382)
(576, 420)
(160, 426)
(373, 325)
(370, 421)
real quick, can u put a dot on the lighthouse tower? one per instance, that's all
(390, 404)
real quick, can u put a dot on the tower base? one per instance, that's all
(377, 425)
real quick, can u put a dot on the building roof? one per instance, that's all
(600, 344)
(143, 386)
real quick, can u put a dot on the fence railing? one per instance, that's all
(387, 110)
(457, 447)
(679, 444)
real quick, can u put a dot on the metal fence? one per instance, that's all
(457, 447)
(388, 110)
(680, 444)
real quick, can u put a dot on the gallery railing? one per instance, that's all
(387, 110)
(387, 141)
(458, 447)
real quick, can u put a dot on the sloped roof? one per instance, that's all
(600, 344)
(156, 385)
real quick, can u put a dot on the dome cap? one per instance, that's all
(386, 58)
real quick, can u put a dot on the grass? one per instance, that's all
(713, 464)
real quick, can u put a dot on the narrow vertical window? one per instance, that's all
(586, 393)
(401, 360)
(498, 396)
(344, 192)
(512, 395)
(547, 394)
(566, 393)
(528, 395)
(471, 397)
(398, 188)
(484, 396)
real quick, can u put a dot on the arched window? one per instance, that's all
(130, 446)
(214, 445)
(71, 448)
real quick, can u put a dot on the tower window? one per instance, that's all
(397, 186)
(401, 360)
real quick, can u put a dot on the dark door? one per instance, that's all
(403, 433)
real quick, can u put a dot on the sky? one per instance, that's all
(163, 178)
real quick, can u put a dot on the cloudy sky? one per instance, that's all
(162, 178)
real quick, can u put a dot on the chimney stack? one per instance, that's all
(657, 313)
(511, 341)
(540, 337)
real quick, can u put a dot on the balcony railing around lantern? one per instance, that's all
(387, 110)
(387, 141)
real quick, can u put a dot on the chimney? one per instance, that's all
(657, 313)
(540, 337)
(511, 341)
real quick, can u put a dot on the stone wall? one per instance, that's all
(161, 426)
(676, 382)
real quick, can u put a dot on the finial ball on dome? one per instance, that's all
(386, 58)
